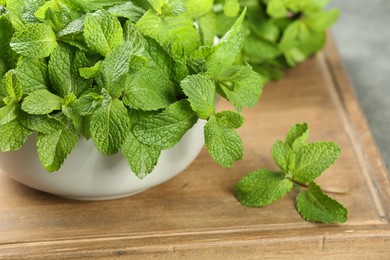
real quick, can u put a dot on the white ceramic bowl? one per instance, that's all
(89, 175)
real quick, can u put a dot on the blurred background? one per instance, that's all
(362, 35)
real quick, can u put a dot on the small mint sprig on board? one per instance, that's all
(300, 164)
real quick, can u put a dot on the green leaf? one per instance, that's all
(208, 28)
(6, 32)
(168, 7)
(198, 8)
(13, 135)
(142, 158)
(321, 21)
(262, 188)
(32, 75)
(314, 158)
(151, 87)
(91, 72)
(9, 113)
(223, 144)
(114, 69)
(102, 32)
(56, 14)
(88, 103)
(223, 55)
(290, 36)
(277, 9)
(201, 94)
(176, 34)
(22, 12)
(64, 66)
(41, 102)
(73, 34)
(230, 119)
(166, 129)
(92, 5)
(41, 123)
(127, 10)
(109, 125)
(11, 86)
(241, 86)
(230, 7)
(258, 50)
(297, 136)
(34, 40)
(283, 156)
(53, 148)
(316, 206)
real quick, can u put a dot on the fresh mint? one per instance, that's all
(35, 40)
(132, 76)
(102, 32)
(279, 33)
(300, 164)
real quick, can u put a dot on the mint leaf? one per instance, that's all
(151, 87)
(314, 158)
(262, 188)
(32, 75)
(277, 9)
(53, 148)
(223, 55)
(22, 11)
(297, 136)
(56, 14)
(40, 123)
(142, 158)
(88, 103)
(321, 21)
(283, 156)
(102, 32)
(91, 72)
(11, 86)
(207, 28)
(109, 125)
(198, 8)
(73, 34)
(41, 102)
(127, 10)
(64, 66)
(13, 135)
(114, 69)
(92, 5)
(6, 32)
(241, 86)
(230, 119)
(34, 40)
(223, 144)
(176, 34)
(258, 50)
(201, 94)
(165, 129)
(168, 7)
(9, 113)
(230, 7)
(316, 206)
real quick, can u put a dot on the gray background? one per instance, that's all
(363, 38)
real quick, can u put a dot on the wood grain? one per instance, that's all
(196, 214)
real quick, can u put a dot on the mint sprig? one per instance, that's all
(300, 164)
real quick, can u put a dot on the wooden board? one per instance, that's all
(197, 215)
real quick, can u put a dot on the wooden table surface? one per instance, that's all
(197, 215)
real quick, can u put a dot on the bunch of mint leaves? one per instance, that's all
(300, 163)
(134, 76)
(280, 33)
